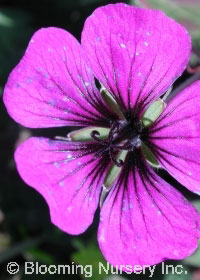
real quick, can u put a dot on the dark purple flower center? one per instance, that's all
(124, 135)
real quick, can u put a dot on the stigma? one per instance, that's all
(124, 135)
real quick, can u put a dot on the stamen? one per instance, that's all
(95, 135)
(167, 94)
(123, 136)
(103, 195)
(97, 84)
(109, 99)
(113, 131)
(118, 162)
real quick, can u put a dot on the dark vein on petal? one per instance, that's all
(146, 176)
(173, 137)
(167, 113)
(168, 124)
(156, 148)
(161, 157)
(145, 83)
(95, 174)
(63, 93)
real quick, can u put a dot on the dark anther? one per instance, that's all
(118, 162)
(124, 135)
(114, 131)
(95, 135)
(97, 83)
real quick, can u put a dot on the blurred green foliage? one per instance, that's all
(187, 12)
(89, 255)
(194, 260)
(182, 276)
(14, 30)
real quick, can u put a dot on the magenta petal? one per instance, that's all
(136, 53)
(145, 222)
(52, 85)
(48, 166)
(176, 138)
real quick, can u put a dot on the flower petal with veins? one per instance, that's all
(69, 181)
(176, 139)
(146, 221)
(53, 85)
(108, 85)
(136, 53)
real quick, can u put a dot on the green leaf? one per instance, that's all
(84, 134)
(153, 112)
(149, 156)
(90, 255)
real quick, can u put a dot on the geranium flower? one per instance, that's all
(128, 58)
